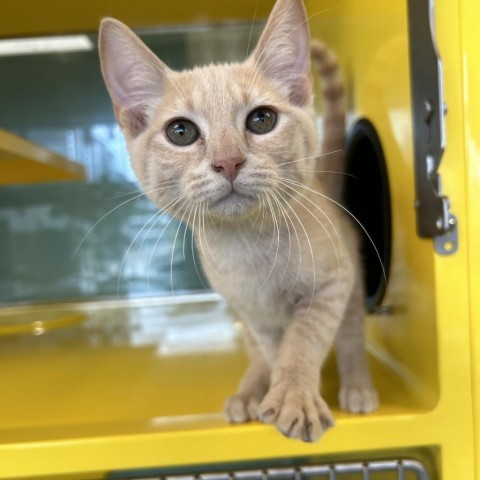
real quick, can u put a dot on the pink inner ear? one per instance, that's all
(283, 51)
(133, 120)
(302, 93)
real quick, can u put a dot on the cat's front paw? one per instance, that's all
(241, 408)
(296, 413)
(358, 399)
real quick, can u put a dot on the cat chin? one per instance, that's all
(234, 207)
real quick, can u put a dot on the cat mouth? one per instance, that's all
(232, 196)
(234, 203)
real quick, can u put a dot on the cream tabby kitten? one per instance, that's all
(232, 150)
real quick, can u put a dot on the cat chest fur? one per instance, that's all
(259, 273)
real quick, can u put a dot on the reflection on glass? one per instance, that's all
(52, 247)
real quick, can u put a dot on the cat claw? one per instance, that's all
(296, 414)
(358, 399)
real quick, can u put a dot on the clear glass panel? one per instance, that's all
(60, 101)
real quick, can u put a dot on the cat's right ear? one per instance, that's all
(133, 74)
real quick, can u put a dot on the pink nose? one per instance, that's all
(228, 167)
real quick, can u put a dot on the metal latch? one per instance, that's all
(434, 219)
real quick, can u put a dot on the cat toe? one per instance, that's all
(358, 399)
(301, 415)
(240, 409)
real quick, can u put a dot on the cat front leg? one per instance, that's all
(243, 406)
(293, 403)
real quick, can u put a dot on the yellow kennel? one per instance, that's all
(132, 388)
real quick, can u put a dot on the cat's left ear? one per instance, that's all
(134, 76)
(283, 51)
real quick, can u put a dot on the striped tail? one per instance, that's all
(334, 127)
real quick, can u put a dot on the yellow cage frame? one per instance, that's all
(431, 341)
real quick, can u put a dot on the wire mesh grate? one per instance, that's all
(377, 470)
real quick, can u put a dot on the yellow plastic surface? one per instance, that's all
(470, 44)
(32, 17)
(38, 323)
(137, 386)
(22, 161)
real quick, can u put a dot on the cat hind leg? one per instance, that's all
(357, 393)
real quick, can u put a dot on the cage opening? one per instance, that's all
(367, 196)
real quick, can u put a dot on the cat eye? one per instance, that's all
(182, 132)
(262, 120)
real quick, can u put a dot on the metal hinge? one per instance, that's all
(434, 219)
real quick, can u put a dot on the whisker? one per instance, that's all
(277, 225)
(251, 30)
(139, 190)
(193, 248)
(351, 215)
(257, 67)
(274, 223)
(187, 222)
(161, 234)
(311, 251)
(118, 195)
(320, 171)
(318, 221)
(319, 209)
(130, 246)
(199, 238)
(82, 241)
(262, 207)
(316, 14)
(212, 221)
(282, 211)
(298, 242)
(204, 211)
(180, 224)
(178, 86)
(163, 212)
(256, 218)
(309, 158)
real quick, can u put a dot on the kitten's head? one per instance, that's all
(218, 137)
